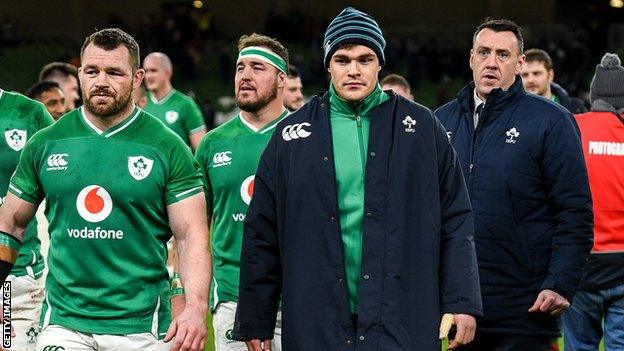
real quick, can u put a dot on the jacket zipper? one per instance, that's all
(358, 122)
(473, 144)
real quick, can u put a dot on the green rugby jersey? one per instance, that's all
(107, 194)
(178, 111)
(20, 118)
(229, 156)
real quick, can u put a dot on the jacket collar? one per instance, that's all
(603, 106)
(561, 93)
(497, 101)
(351, 109)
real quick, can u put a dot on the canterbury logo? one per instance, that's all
(222, 159)
(295, 131)
(57, 162)
(53, 348)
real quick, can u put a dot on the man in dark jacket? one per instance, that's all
(524, 168)
(538, 75)
(360, 218)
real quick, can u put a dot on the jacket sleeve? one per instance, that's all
(260, 267)
(568, 193)
(459, 273)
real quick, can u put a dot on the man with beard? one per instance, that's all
(537, 77)
(229, 157)
(107, 286)
(293, 90)
(178, 111)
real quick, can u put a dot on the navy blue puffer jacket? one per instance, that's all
(528, 186)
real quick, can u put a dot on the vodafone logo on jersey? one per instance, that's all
(246, 190)
(94, 203)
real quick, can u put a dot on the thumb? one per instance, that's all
(445, 325)
(171, 332)
(537, 304)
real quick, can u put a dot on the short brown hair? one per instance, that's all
(501, 25)
(293, 72)
(272, 44)
(111, 39)
(398, 80)
(55, 70)
(539, 55)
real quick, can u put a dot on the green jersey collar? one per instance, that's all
(114, 129)
(163, 100)
(360, 108)
(267, 127)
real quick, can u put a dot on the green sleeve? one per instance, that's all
(25, 182)
(193, 119)
(200, 154)
(185, 177)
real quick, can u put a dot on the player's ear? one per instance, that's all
(281, 79)
(138, 78)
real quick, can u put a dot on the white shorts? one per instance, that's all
(26, 301)
(57, 338)
(223, 323)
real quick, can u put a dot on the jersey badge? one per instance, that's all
(15, 138)
(139, 167)
(171, 117)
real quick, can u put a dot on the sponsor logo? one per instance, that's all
(238, 217)
(409, 124)
(296, 131)
(229, 334)
(94, 203)
(222, 159)
(449, 135)
(171, 117)
(57, 162)
(607, 148)
(246, 189)
(16, 138)
(139, 167)
(6, 314)
(97, 233)
(512, 134)
(53, 348)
